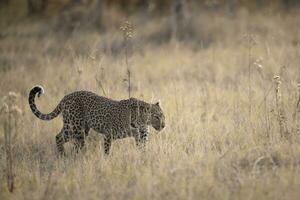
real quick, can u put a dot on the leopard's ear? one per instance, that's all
(158, 103)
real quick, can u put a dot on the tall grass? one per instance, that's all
(206, 150)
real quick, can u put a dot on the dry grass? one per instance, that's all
(211, 148)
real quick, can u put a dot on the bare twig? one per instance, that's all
(280, 109)
(100, 85)
(265, 96)
(297, 104)
(250, 43)
(129, 82)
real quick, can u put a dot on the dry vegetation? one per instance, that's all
(222, 141)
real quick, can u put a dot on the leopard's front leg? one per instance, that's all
(142, 137)
(107, 144)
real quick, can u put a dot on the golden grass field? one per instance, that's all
(220, 142)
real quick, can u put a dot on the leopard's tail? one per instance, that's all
(38, 90)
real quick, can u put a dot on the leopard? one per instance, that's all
(113, 119)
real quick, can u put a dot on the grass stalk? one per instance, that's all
(281, 117)
(8, 151)
(127, 30)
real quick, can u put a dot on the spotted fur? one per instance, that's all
(84, 110)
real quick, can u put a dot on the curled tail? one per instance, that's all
(39, 91)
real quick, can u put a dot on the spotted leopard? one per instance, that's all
(84, 110)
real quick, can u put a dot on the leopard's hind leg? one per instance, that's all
(74, 121)
(80, 135)
(79, 140)
(66, 133)
(61, 139)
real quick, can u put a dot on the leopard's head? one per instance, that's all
(157, 117)
(143, 113)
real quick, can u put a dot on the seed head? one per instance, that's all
(127, 30)
(12, 95)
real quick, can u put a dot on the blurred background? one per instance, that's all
(157, 21)
(92, 27)
(227, 74)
